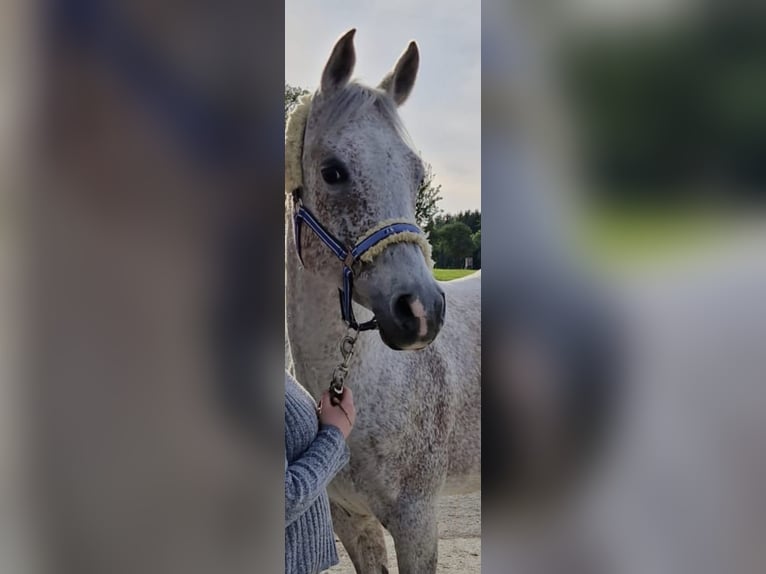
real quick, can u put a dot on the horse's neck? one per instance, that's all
(314, 327)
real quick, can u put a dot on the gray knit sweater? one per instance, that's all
(313, 455)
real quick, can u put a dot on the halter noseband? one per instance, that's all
(348, 255)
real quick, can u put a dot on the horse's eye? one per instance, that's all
(334, 174)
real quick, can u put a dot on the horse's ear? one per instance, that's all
(399, 81)
(337, 71)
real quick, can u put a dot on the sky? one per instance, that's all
(443, 112)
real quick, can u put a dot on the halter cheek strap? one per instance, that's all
(366, 249)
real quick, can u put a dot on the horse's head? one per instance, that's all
(360, 171)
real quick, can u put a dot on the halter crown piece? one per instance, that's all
(366, 248)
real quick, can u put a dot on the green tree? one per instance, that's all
(292, 94)
(429, 196)
(454, 242)
(476, 238)
(471, 218)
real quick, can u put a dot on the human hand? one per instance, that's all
(342, 415)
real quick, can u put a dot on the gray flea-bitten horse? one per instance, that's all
(418, 395)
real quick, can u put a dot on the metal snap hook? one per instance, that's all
(347, 346)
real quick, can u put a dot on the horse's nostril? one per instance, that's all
(410, 315)
(403, 307)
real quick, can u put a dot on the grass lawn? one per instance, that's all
(449, 274)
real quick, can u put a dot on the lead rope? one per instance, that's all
(340, 372)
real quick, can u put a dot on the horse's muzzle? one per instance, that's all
(413, 318)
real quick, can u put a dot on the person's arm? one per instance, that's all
(307, 477)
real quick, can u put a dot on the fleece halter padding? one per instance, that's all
(369, 245)
(402, 236)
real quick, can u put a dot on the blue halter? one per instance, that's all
(347, 255)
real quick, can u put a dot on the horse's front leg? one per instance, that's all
(415, 533)
(362, 537)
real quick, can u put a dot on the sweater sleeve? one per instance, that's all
(308, 476)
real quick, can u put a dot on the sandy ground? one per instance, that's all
(459, 538)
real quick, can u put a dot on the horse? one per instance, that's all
(350, 164)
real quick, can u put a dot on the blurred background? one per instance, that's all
(623, 264)
(141, 151)
(623, 270)
(668, 102)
